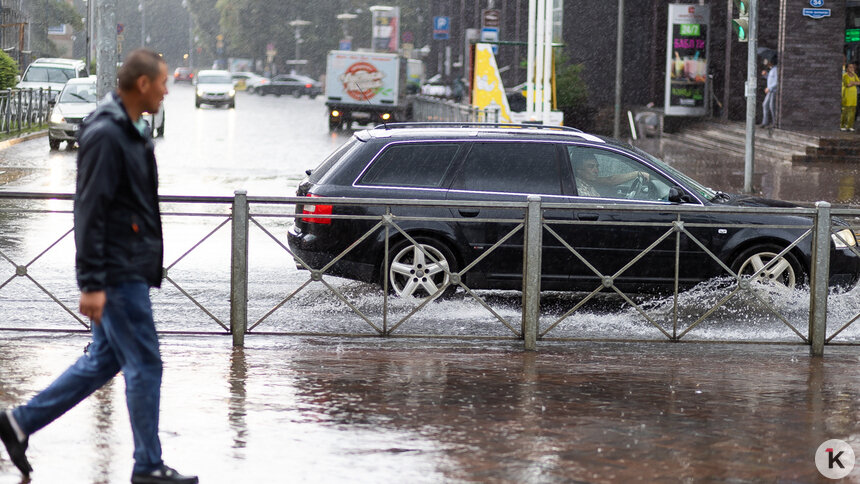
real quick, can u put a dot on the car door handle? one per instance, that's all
(588, 216)
(469, 213)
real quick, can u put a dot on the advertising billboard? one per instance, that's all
(687, 50)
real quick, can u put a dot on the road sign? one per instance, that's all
(491, 34)
(491, 17)
(441, 28)
(344, 44)
(119, 28)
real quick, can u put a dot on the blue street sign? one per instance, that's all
(344, 45)
(491, 34)
(816, 3)
(441, 28)
(816, 12)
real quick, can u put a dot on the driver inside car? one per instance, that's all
(589, 182)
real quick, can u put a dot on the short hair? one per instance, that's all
(140, 62)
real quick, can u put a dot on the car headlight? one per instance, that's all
(57, 116)
(844, 238)
(232, 92)
(200, 92)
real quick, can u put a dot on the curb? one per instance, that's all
(14, 141)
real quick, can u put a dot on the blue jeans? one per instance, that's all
(125, 340)
(769, 109)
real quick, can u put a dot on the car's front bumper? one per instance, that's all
(63, 131)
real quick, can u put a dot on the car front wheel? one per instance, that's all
(786, 272)
(53, 143)
(420, 274)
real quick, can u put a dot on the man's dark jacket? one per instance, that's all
(117, 220)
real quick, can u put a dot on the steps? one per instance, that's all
(730, 138)
(777, 144)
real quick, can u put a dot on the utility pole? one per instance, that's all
(750, 91)
(619, 61)
(106, 54)
(89, 33)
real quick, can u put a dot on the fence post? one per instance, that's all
(819, 279)
(239, 268)
(532, 272)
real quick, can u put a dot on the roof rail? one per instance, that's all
(466, 124)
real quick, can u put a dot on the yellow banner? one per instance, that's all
(487, 89)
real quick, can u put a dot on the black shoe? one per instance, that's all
(14, 447)
(162, 475)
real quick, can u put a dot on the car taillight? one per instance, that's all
(309, 86)
(316, 210)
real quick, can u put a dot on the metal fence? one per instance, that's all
(426, 108)
(245, 218)
(22, 109)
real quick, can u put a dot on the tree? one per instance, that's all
(49, 13)
(8, 71)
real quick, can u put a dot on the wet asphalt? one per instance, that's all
(371, 409)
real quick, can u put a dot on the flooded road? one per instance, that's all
(304, 409)
(369, 409)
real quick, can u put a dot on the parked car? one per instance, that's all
(156, 121)
(183, 74)
(52, 73)
(492, 164)
(215, 87)
(291, 84)
(75, 102)
(247, 81)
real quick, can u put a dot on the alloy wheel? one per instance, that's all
(413, 274)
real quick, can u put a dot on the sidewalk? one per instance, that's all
(14, 140)
(313, 409)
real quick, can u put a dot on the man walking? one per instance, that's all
(119, 257)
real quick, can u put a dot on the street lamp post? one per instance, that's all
(142, 8)
(298, 24)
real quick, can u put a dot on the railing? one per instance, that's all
(531, 225)
(22, 109)
(426, 108)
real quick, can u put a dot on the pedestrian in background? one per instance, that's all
(769, 103)
(850, 81)
(119, 256)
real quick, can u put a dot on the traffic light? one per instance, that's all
(741, 25)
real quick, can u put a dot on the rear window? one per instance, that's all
(511, 168)
(419, 165)
(320, 171)
(48, 74)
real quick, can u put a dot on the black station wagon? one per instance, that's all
(494, 163)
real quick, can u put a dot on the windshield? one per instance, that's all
(700, 189)
(48, 74)
(78, 93)
(214, 79)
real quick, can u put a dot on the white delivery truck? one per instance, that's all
(367, 88)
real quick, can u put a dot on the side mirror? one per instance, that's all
(676, 195)
(17, 78)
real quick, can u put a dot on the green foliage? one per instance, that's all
(570, 87)
(59, 12)
(8, 71)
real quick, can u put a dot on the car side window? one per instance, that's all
(418, 165)
(600, 173)
(511, 168)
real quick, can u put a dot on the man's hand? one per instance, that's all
(92, 304)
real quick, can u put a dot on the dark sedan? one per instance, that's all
(489, 164)
(291, 85)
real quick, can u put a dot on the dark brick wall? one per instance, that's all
(810, 66)
(810, 53)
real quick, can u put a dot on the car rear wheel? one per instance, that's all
(412, 274)
(786, 272)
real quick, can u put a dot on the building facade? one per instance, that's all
(810, 52)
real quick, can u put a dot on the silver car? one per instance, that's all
(215, 87)
(75, 102)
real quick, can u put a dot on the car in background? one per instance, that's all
(291, 85)
(248, 81)
(75, 102)
(183, 74)
(215, 87)
(490, 163)
(156, 121)
(52, 73)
